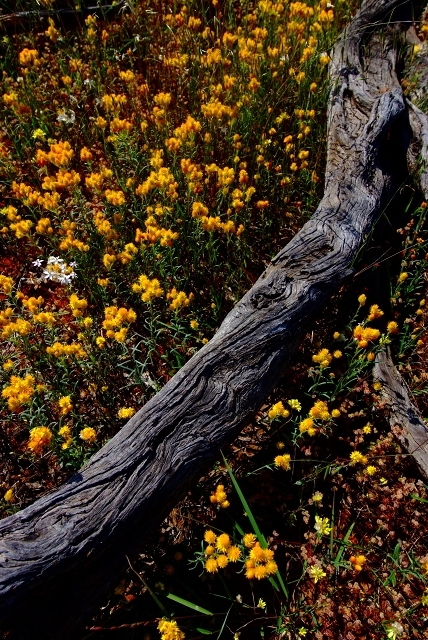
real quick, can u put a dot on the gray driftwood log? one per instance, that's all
(60, 556)
(405, 420)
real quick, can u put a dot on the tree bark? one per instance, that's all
(404, 418)
(60, 556)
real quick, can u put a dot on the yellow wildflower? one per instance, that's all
(357, 457)
(370, 470)
(375, 312)
(40, 437)
(210, 537)
(249, 540)
(322, 526)
(65, 405)
(358, 562)
(170, 631)
(392, 327)
(323, 358)
(88, 434)
(317, 573)
(125, 412)
(19, 392)
(278, 411)
(223, 542)
(283, 461)
(211, 565)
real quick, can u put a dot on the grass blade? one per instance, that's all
(152, 593)
(343, 544)
(260, 536)
(190, 605)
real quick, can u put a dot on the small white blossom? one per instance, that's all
(57, 270)
(67, 117)
(394, 630)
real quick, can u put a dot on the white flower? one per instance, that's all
(67, 117)
(394, 630)
(57, 270)
(38, 262)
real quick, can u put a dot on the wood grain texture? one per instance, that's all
(60, 556)
(404, 418)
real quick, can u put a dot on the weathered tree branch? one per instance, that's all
(404, 418)
(61, 555)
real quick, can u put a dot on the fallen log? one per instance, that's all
(60, 556)
(404, 418)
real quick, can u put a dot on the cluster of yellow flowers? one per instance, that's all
(154, 233)
(29, 57)
(220, 497)
(95, 180)
(323, 358)
(114, 319)
(65, 432)
(19, 392)
(178, 299)
(60, 350)
(62, 180)
(357, 457)
(60, 153)
(320, 412)
(278, 411)
(220, 551)
(9, 327)
(375, 312)
(283, 462)
(65, 405)
(149, 289)
(358, 562)
(163, 180)
(322, 526)
(6, 284)
(170, 630)
(260, 562)
(31, 197)
(113, 102)
(365, 335)
(88, 434)
(188, 129)
(77, 305)
(40, 438)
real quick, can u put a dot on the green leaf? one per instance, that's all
(343, 544)
(189, 604)
(204, 632)
(415, 497)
